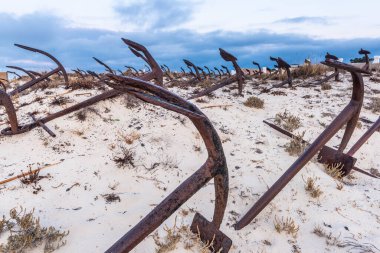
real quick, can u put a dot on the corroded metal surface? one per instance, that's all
(215, 167)
(238, 77)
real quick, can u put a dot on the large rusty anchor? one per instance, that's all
(15, 128)
(215, 168)
(34, 81)
(349, 117)
(238, 77)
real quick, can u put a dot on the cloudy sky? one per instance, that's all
(74, 31)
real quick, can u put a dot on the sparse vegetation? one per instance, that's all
(326, 86)
(296, 145)
(287, 225)
(287, 121)
(254, 102)
(330, 239)
(179, 235)
(309, 70)
(129, 138)
(26, 233)
(313, 189)
(374, 106)
(31, 178)
(81, 115)
(82, 84)
(111, 197)
(59, 101)
(334, 170)
(126, 158)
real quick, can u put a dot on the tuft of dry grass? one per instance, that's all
(206, 83)
(129, 138)
(254, 102)
(296, 145)
(326, 86)
(59, 101)
(26, 233)
(334, 170)
(126, 158)
(31, 178)
(330, 239)
(309, 70)
(374, 106)
(287, 225)
(311, 187)
(82, 84)
(179, 235)
(81, 115)
(130, 101)
(111, 197)
(287, 121)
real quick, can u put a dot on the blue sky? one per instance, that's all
(75, 31)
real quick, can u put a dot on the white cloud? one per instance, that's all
(352, 18)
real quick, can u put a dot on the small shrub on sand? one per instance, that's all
(326, 86)
(26, 233)
(179, 236)
(254, 102)
(296, 146)
(205, 83)
(126, 158)
(287, 225)
(313, 189)
(287, 121)
(334, 170)
(59, 101)
(375, 104)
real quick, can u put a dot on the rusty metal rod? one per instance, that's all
(364, 138)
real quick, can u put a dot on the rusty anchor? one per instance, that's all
(365, 53)
(220, 75)
(203, 72)
(29, 84)
(15, 128)
(238, 77)
(14, 73)
(108, 68)
(259, 67)
(215, 168)
(208, 70)
(281, 64)
(227, 70)
(22, 70)
(140, 51)
(348, 116)
(192, 66)
(79, 73)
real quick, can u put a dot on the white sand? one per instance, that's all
(255, 155)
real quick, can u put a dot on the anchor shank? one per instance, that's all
(306, 156)
(161, 212)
